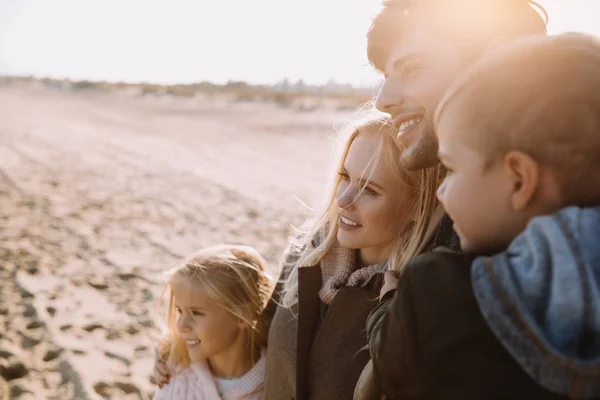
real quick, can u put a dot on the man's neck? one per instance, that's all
(431, 233)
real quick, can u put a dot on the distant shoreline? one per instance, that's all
(284, 94)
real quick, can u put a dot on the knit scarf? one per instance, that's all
(339, 269)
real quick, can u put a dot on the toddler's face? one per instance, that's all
(475, 197)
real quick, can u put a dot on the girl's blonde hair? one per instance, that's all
(231, 275)
(421, 185)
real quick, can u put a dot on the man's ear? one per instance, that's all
(523, 173)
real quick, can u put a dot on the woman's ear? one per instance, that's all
(524, 177)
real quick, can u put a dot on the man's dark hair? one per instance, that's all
(471, 23)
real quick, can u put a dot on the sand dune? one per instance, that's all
(100, 193)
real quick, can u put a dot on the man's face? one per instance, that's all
(419, 68)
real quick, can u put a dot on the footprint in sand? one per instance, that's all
(119, 357)
(5, 353)
(25, 294)
(113, 334)
(35, 324)
(132, 329)
(29, 311)
(27, 342)
(52, 354)
(12, 368)
(116, 389)
(92, 327)
(98, 283)
(18, 390)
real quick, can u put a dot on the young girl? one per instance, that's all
(214, 345)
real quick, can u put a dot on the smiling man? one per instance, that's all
(427, 338)
(421, 46)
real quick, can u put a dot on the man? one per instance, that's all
(429, 339)
(421, 46)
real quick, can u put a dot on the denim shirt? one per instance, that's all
(541, 298)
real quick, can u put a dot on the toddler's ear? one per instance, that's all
(524, 174)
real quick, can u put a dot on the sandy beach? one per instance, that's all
(100, 193)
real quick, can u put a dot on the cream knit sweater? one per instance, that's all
(197, 383)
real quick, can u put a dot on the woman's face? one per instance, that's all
(370, 220)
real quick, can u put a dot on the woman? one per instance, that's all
(375, 218)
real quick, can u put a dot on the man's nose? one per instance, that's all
(390, 96)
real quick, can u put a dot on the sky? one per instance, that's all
(184, 41)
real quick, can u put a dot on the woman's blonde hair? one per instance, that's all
(304, 250)
(231, 275)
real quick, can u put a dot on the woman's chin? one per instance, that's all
(347, 242)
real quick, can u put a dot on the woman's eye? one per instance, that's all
(371, 191)
(197, 313)
(343, 175)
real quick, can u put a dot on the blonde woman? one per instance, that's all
(214, 347)
(375, 218)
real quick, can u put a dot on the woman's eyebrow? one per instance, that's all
(366, 182)
(363, 181)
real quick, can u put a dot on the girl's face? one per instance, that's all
(208, 329)
(370, 220)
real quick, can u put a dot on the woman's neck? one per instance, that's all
(371, 255)
(234, 362)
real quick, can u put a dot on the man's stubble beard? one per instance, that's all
(422, 154)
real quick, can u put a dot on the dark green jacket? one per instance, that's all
(428, 339)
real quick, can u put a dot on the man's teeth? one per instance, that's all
(407, 124)
(348, 222)
(192, 342)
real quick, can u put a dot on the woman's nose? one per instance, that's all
(346, 198)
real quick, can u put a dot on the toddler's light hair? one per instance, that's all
(540, 96)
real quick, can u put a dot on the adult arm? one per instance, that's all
(391, 340)
(416, 326)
